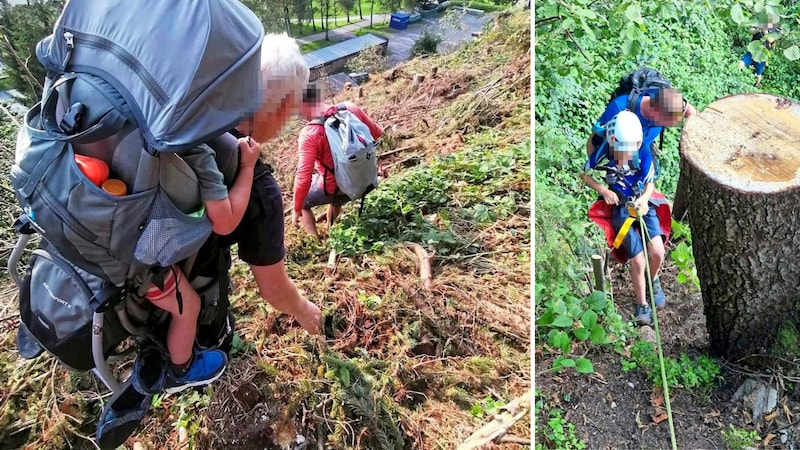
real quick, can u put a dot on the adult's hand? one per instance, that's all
(295, 219)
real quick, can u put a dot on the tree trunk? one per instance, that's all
(741, 161)
(286, 20)
(313, 19)
(371, 9)
(327, 18)
(360, 12)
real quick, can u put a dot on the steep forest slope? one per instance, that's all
(404, 363)
(597, 382)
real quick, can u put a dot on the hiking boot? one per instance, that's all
(658, 294)
(641, 315)
(208, 365)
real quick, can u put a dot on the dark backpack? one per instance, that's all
(638, 81)
(135, 97)
(634, 85)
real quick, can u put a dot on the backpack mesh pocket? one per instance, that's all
(170, 236)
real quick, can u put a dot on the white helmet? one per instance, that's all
(624, 131)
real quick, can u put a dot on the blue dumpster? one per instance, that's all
(399, 21)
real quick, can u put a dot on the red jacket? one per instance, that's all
(315, 153)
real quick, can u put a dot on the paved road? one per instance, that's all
(401, 41)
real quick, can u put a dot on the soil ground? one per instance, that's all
(612, 409)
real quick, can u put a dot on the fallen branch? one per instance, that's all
(397, 150)
(424, 260)
(30, 78)
(8, 113)
(499, 426)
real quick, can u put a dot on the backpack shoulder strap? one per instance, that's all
(633, 99)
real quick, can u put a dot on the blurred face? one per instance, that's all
(270, 119)
(310, 110)
(622, 152)
(667, 119)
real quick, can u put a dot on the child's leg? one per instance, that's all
(183, 324)
(637, 278)
(632, 244)
(655, 253)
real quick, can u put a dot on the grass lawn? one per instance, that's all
(316, 45)
(378, 28)
(488, 7)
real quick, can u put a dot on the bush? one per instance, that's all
(426, 44)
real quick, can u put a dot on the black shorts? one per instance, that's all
(317, 196)
(260, 233)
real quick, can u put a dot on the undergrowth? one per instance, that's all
(441, 204)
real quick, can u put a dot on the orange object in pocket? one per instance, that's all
(96, 170)
(115, 187)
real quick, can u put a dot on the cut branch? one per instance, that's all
(499, 426)
(424, 260)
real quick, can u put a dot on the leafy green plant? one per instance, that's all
(187, 408)
(426, 44)
(700, 372)
(739, 438)
(682, 255)
(485, 407)
(478, 184)
(560, 434)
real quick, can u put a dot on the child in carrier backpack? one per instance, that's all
(225, 208)
(630, 179)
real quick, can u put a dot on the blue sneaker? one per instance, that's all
(208, 365)
(658, 294)
(641, 315)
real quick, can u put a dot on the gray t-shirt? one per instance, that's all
(202, 160)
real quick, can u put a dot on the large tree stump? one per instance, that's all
(740, 157)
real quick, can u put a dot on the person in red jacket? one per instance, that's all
(314, 182)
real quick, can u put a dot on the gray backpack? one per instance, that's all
(355, 163)
(134, 83)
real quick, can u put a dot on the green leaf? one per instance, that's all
(581, 333)
(757, 50)
(634, 13)
(587, 29)
(598, 335)
(560, 340)
(792, 53)
(568, 24)
(562, 362)
(668, 11)
(597, 300)
(589, 319)
(584, 365)
(546, 319)
(632, 47)
(344, 376)
(562, 321)
(737, 15)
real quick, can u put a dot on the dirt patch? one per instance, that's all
(614, 409)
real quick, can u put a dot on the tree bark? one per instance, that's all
(741, 165)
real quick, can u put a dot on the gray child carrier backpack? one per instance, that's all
(355, 162)
(133, 83)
